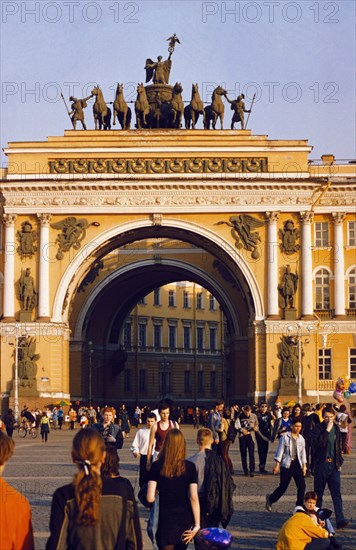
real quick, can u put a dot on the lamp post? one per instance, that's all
(91, 351)
(16, 334)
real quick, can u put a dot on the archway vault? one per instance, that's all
(169, 227)
(166, 271)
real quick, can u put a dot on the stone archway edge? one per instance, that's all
(91, 247)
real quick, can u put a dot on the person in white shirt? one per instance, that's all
(139, 447)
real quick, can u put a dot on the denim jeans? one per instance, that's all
(326, 473)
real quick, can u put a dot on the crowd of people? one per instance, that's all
(185, 494)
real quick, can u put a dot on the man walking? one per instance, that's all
(291, 462)
(263, 435)
(158, 433)
(327, 448)
(139, 446)
(245, 425)
(214, 423)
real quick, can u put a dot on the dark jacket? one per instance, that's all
(309, 421)
(218, 491)
(319, 441)
(118, 527)
(114, 430)
(265, 423)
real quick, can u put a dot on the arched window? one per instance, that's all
(352, 289)
(322, 289)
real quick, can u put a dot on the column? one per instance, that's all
(272, 266)
(9, 268)
(307, 266)
(339, 270)
(43, 287)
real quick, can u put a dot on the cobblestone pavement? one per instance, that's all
(37, 469)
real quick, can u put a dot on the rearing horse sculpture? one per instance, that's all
(177, 105)
(215, 110)
(142, 107)
(121, 110)
(102, 113)
(194, 109)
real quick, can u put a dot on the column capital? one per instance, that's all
(338, 217)
(9, 220)
(307, 217)
(44, 219)
(272, 216)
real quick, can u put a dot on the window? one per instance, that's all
(171, 298)
(321, 234)
(127, 380)
(142, 336)
(200, 338)
(186, 338)
(128, 336)
(352, 289)
(322, 289)
(212, 303)
(200, 302)
(142, 381)
(352, 362)
(142, 301)
(157, 297)
(157, 336)
(351, 233)
(213, 381)
(200, 381)
(187, 381)
(325, 364)
(164, 383)
(172, 337)
(186, 299)
(212, 339)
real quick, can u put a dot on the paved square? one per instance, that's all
(37, 469)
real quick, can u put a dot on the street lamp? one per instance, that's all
(17, 334)
(91, 351)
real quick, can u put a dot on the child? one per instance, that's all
(84, 421)
(44, 427)
(318, 516)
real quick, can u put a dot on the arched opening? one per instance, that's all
(134, 264)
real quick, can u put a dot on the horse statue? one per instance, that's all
(177, 106)
(194, 109)
(121, 110)
(102, 113)
(215, 110)
(142, 107)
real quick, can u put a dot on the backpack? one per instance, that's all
(231, 432)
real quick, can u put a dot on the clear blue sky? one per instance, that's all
(299, 57)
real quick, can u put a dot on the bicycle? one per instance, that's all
(25, 429)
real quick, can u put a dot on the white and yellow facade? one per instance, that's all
(139, 189)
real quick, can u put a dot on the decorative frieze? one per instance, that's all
(197, 165)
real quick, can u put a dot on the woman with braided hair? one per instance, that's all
(93, 512)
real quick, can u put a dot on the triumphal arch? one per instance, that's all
(268, 232)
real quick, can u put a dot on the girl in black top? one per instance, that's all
(176, 481)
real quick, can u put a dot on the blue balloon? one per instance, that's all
(352, 387)
(214, 538)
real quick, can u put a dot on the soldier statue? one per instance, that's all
(77, 112)
(238, 106)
